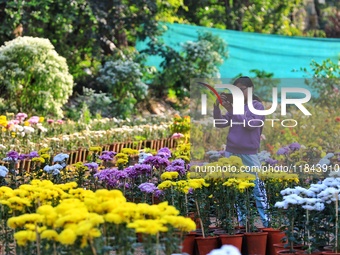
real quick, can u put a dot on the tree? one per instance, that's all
(121, 22)
(269, 16)
(69, 25)
(197, 59)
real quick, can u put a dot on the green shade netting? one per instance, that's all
(271, 53)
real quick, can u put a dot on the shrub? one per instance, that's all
(33, 77)
(123, 81)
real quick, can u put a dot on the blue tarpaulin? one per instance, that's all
(271, 53)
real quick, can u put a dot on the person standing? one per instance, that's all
(243, 140)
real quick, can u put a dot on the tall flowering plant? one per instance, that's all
(293, 200)
(200, 194)
(275, 182)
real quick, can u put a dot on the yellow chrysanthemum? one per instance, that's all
(49, 234)
(67, 237)
(169, 175)
(113, 218)
(164, 185)
(38, 159)
(24, 236)
(43, 151)
(95, 149)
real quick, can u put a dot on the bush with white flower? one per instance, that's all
(33, 77)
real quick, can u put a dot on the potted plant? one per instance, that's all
(256, 242)
(291, 204)
(200, 195)
(227, 215)
(329, 195)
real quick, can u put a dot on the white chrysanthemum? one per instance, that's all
(328, 195)
(281, 204)
(17, 128)
(287, 191)
(225, 250)
(28, 130)
(317, 188)
(42, 128)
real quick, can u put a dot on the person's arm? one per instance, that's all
(218, 116)
(255, 120)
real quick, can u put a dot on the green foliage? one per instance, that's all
(121, 22)
(167, 10)
(199, 58)
(122, 79)
(270, 16)
(180, 125)
(97, 103)
(33, 77)
(325, 81)
(69, 25)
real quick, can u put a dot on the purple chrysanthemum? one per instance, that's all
(33, 154)
(178, 165)
(110, 153)
(283, 151)
(158, 193)
(13, 155)
(105, 157)
(157, 161)
(147, 187)
(178, 162)
(294, 146)
(131, 172)
(271, 161)
(120, 174)
(23, 156)
(143, 168)
(179, 169)
(164, 152)
(107, 176)
(93, 166)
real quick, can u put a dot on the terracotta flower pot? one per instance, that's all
(281, 247)
(188, 244)
(206, 244)
(235, 240)
(256, 243)
(274, 236)
(285, 252)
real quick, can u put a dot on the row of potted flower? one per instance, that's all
(26, 134)
(64, 218)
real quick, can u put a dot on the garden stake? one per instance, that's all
(199, 218)
(54, 248)
(186, 204)
(92, 247)
(308, 232)
(336, 194)
(38, 239)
